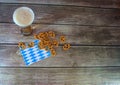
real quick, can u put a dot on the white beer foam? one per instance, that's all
(23, 16)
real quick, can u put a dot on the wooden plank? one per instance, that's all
(77, 56)
(15, 35)
(84, 35)
(59, 76)
(65, 15)
(91, 3)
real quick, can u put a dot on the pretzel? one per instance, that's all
(55, 43)
(23, 46)
(41, 35)
(20, 44)
(50, 47)
(31, 44)
(40, 43)
(45, 43)
(66, 46)
(41, 46)
(36, 36)
(45, 39)
(62, 39)
(51, 34)
(46, 34)
(53, 52)
(48, 42)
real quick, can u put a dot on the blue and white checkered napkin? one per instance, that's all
(34, 54)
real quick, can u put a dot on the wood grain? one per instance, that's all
(65, 15)
(90, 3)
(77, 56)
(87, 24)
(59, 76)
(80, 35)
(10, 33)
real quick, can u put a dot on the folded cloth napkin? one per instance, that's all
(34, 54)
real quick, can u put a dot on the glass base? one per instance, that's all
(27, 31)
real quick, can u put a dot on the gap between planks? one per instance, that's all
(59, 76)
(66, 15)
(89, 3)
(75, 35)
(74, 57)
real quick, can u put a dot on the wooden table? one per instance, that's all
(92, 27)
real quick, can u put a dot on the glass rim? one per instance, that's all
(30, 10)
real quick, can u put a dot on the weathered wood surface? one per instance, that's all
(77, 56)
(81, 35)
(15, 35)
(65, 15)
(90, 3)
(87, 24)
(59, 76)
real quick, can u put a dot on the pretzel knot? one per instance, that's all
(41, 35)
(50, 47)
(53, 52)
(23, 46)
(20, 44)
(45, 39)
(62, 39)
(31, 44)
(66, 46)
(51, 34)
(46, 34)
(41, 46)
(55, 43)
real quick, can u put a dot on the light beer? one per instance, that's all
(24, 17)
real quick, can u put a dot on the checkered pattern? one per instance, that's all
(34, 54)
